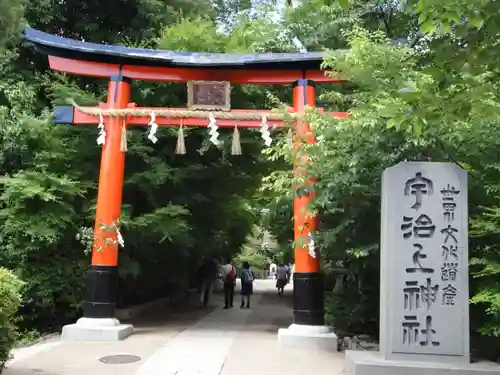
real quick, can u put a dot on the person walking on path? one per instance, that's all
(208, 274)
(282, 278)
(228, 272)
(272, 270)
(247, 278)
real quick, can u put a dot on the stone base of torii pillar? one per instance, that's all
(92, 329)
(309, 330)
(308, 337)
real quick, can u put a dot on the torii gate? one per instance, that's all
(121, 66)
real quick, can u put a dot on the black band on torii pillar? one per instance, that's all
(101, 296)
(304, 82)
(120, 77)
(308, 303)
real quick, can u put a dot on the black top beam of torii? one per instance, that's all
(54, 45)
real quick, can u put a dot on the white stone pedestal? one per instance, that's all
(90, 329)
(308, 337)
(373, 363)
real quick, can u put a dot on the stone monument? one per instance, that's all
(424, 283)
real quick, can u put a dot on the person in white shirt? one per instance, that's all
(282, 278)
(228, 272)
(272, 270)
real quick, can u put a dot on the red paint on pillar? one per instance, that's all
(109, 196)
(304, 223)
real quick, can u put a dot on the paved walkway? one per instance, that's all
(190, 342)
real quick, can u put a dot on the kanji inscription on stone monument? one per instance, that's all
(424, 283)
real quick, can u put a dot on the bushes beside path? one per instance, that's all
(10, 300)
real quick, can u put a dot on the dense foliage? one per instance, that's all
(10, 299)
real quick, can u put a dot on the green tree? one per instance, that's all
(11, 15)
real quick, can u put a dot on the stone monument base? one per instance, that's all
(308, 337)
(372, 363)
(90, 329)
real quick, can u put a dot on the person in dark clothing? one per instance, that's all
(208, 274)
(282, 278)
(247, 278)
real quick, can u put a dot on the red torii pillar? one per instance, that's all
(307, 281)
(99, 306)
(309, 330)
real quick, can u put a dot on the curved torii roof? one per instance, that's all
(54, 45)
